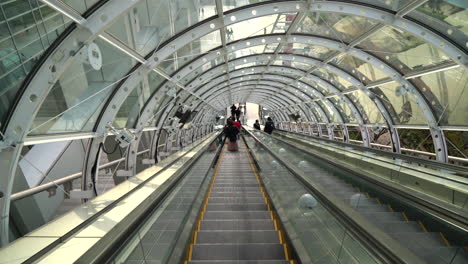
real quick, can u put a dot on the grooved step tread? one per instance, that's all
(255, 251)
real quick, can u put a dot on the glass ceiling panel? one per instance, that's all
(205, 67)
(394, 5)
(329, 112)
(402, 50)
(362, 70)
(76, 100)
(190, 51)
(369, 111)
(293, 64)
(317, 52)
(334, 79)
(323, 90)
(447, 93)
(130, 109)
(153, 21)
(231, 4)
(344, 28)
(407, 111)
(453, 14)
(318, 115)
(345, 111)
(252, 27)
(27, 29)
(246, 52)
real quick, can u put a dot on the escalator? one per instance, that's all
(430, 246)
(236, 224)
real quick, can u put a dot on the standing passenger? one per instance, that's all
(231, 133)
(269, 126)
(233, 111)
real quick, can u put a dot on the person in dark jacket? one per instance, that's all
(269, 126)
(233, 111)
(231, 132)
(257, 125)
(238, 114)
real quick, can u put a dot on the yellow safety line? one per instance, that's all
(378, 200)
(444, 239)
(405, 216)
(202, 212)
(277, 227)
(422, 226)
(390, 207)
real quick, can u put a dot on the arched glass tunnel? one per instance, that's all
(385, 74)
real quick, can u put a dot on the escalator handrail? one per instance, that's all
(378, 242)
(432, 163)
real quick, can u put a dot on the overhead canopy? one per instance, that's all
(75, 66)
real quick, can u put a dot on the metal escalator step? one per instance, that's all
(232, 225)
(237, 237)
(373, 208)
(237, 194)
(240, 184)
(237, 207)
(399, 227)
(425, 239)
(236, 200)
(384, 216)
(212, 215)
(436, 255)
(235, 189)
(240, 262)
(238, 252)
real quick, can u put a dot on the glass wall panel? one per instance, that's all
(380, 135)
(314, 51)
(360, 69)
(317, 113)
(403, 50)
(200, 70)
(457, 142)
(416, 139)
(27, 29)
(75, 101)
(354, 134)
(447, 93)
(369, 111)
(404, 106)
(343, 28)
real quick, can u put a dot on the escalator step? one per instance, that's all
(399, 227)
(425, 239)
(238, 252)
(237, 237)
(235, 200)
(236, 215)
(236, 194)
(237, 207)
(242, 224)
(240, 262)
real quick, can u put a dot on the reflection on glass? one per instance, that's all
(403, 50)
(343, 28)
(332, 117)
(231, 4)
(447, 94)
(360, 69)
(369, 111)
(403, 104)
(314, 51)
(27, 29)
(254, 27)
(190, 51)
(343, 108)
(75, 101)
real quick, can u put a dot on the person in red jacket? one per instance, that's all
(238, 125)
